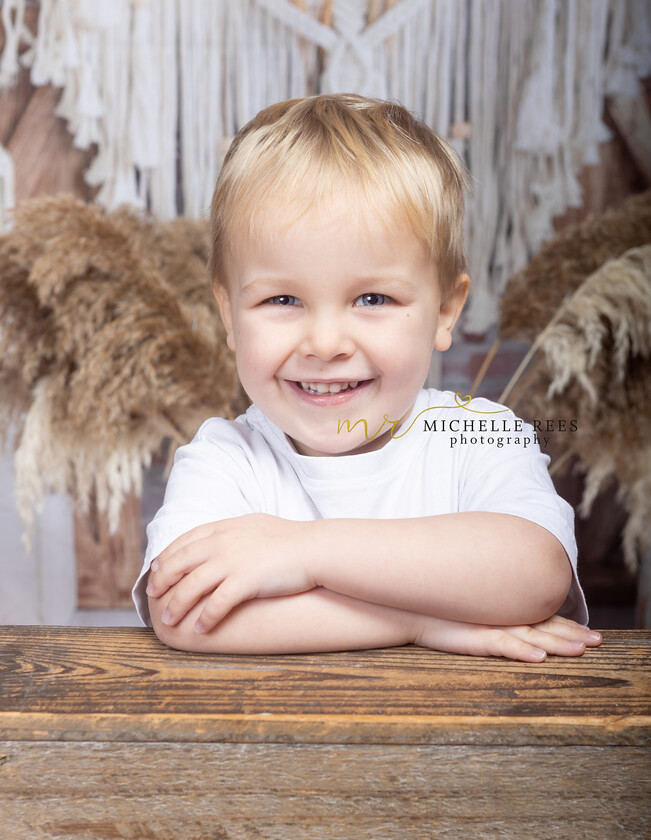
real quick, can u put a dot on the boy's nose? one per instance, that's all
(326, 337)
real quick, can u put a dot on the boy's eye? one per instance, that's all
(284, 300)
(371, 299)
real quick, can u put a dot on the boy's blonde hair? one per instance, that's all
(300, 154)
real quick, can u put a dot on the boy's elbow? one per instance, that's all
(224, 638)
(168, 636)
(558, 579)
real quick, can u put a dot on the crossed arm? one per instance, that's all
(478, 583)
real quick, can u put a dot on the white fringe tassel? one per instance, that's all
(161, 86)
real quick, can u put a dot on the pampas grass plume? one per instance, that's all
(110, 343)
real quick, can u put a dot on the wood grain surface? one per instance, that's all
(107, 564)
(122, 684)
(107, 734)
(84, 791)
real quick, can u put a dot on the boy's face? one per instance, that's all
(343, 306)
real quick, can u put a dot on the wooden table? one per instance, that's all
(107, 734)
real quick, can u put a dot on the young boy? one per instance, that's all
(336, 513)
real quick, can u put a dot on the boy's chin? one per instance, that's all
(332, 449)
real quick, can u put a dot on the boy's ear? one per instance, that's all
(449, 313)
(224, 304)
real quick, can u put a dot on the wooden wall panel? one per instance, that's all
(617, 175)
(45, 160)
(107, 566)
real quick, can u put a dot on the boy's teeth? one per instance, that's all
(324, 388)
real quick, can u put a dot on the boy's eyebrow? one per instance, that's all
(397, 282)
(262, 284)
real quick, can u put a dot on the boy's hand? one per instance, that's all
(250, 556)
(556, 635)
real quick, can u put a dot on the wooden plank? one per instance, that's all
(45, 159)
(603, 186)
(13, 102)
(122, 684)
(108, 564)
(632, 117)
(243, 791)
(15, 97)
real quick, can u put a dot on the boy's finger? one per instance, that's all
(594, 639)
(550, 642)
(489, 641)
(570, 630)
(559, 619)
(167, 571)
(187, 593)
(159, 582)
(227, 596)
(503, 642)
(198, 533)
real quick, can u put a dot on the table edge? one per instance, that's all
(263, 728)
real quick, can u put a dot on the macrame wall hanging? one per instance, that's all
(161, 87)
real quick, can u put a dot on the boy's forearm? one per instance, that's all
(310, 622)
(487, 568)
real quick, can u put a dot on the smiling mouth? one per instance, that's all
(330, 387)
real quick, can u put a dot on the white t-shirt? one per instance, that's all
(443, 459)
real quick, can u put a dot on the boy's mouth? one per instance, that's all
(329, 387)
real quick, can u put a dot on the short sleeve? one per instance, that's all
(513, 478)
(211, 479)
